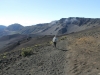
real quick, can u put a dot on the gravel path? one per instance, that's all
(47, 61)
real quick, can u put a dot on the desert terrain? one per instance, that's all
(76, 54)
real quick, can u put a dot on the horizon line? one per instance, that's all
(42, 22)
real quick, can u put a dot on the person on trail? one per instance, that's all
(54, 40)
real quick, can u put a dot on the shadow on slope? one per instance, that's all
(62, 49)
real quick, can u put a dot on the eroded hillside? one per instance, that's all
(76, 54)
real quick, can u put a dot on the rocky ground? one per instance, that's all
(43, 61)
(76, 54)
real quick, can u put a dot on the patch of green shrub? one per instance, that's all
(63, 38)
(51, 43)
(29, 50)
(26, 53)
(36, 45)
(4, 57)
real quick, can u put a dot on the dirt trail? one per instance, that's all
(47, 61)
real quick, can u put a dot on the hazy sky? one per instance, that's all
(30, 12)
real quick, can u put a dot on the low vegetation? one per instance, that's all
(29, 50)
(63, 38)
(26, 51)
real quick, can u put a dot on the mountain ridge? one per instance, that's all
(62, 26)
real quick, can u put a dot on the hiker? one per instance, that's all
(54, 40)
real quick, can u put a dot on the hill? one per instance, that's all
(76, 54)
(14, 27)
(10, 30)
(2, 27)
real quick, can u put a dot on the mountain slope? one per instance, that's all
(9, 42)
(33, 29)
(38, 59)
(84, 52)
(7, 32)
(76, 54)
(62, 26)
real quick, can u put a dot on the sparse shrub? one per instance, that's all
(4, 57)
(26, 53)
(63, 38)
(36, 45)
(28, 48)
(39, 44)
(51, 43)
(23, 49)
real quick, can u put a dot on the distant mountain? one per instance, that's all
(14, 27)
(2, 27)
(34, 29)
(62, 26)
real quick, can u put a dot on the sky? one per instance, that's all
(31, 12)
